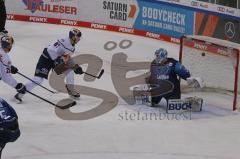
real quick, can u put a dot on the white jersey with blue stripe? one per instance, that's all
(60, 48)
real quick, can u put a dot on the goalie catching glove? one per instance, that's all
(195, 82)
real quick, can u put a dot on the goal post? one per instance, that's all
(215, 61)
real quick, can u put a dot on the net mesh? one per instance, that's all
(214, 63)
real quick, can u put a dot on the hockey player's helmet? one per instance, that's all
(75, 35)
(7, 42)
(9, 129)
(161, 55)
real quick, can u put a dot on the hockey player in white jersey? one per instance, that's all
(62, 49)
(6, 68)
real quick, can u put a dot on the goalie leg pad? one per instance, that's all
(142, 95)
(196, 103)
(193, 104)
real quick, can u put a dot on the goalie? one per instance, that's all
(164, 68)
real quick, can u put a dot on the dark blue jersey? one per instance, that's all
(170, 70)
(9, 129)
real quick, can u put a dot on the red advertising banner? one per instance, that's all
(94, 26)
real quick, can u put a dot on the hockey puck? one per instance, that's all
(203, 54)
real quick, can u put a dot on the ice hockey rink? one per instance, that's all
(210, 134)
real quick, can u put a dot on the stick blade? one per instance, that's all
(100, 74)
(66, 103)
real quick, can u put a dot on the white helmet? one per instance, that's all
(161, 55)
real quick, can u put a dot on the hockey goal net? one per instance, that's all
(215, 61)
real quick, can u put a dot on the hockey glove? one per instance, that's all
(78, 69)
(14, 69)
(195, 82)
(21, 88)
(58, 61)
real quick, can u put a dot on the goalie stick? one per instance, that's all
(66, 106)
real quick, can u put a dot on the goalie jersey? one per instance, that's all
(170, 71)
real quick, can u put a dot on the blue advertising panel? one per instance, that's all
(164, 19)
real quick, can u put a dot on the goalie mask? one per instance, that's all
(7, 42)
(161, 55)
(75, 35)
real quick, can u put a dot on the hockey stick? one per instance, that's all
(61, 68)
(32, 80)
(36, 83)
(99, 76)
(66, 106)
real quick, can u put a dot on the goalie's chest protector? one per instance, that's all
(164, 72)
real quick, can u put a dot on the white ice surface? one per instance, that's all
(211, 134)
